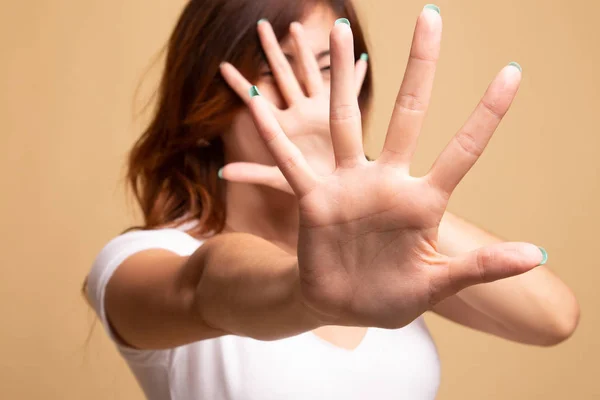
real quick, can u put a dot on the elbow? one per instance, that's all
(564, 325)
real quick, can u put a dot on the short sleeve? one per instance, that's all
(113, 255)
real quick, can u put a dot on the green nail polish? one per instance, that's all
(516, 65)
(432, 7)
(220, 173)
(260, 21)
(545, 256)
(254, 91)
(342, 21)
(364, 57)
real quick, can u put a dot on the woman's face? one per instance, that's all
(242, 142)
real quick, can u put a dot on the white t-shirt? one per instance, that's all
(388, 364)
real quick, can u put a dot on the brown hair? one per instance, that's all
(173, 166)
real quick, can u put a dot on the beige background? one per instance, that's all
(68, 73)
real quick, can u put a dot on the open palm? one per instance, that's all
(367, 249)
(305, 99)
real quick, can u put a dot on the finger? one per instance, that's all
(239, 84)
(415, 92)
(311, 74)
(280, 67)
(468, 144)
(236, 81)
(484, 265)
(345, 118)
(360, 72)
(288, 158)
(255, 174)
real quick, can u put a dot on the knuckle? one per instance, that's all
(468, 143)
(424, 56)
(344, 112)
(493, 108)
(290, 162)
(269, 135)
(279, 65)
(441, 285)
(410, 103)
(484, 258)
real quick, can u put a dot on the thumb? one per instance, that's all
(256, 174)
(484, 265)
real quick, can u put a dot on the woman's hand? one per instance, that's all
(305, 115)
(367, 249)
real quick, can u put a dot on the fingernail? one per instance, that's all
(342, 21)
(545, 255)
(260, 21)
(364, 57)
(254, 91)
(220, 173)
(516, 65)
(432, 7)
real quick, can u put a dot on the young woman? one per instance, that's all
(304, 273)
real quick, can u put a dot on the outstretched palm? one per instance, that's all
(368, 231)
(304, 117)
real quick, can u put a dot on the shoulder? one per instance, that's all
(129, 243)
(117, 250)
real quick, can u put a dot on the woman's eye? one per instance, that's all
(270, 73)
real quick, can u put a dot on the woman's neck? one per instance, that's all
(264, 212)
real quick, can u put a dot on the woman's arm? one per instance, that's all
(233, 284)
(534, 308)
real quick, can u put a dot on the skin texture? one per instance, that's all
(333, 242)
(502, 302)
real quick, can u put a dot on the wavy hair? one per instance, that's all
(173, 166)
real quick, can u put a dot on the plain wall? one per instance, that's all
(68, 73)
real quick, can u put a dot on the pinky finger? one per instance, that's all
(287, 156)
(360, 72)
(256, 174)
(236, 81)
(239, 84)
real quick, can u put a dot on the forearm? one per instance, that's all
(250, 287)
(535, 307)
